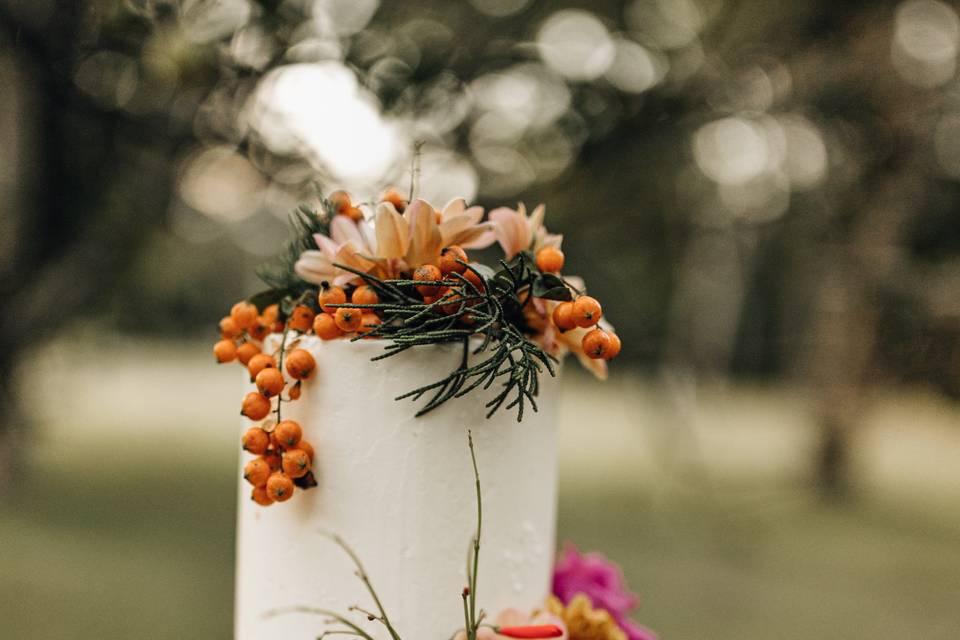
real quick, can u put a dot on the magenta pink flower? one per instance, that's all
(602, 581)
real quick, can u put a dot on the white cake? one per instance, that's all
(400, 491)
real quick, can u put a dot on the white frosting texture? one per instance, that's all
(400, 491)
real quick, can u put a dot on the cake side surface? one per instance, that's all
(399, 490)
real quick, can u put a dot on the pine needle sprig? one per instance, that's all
(489, 316)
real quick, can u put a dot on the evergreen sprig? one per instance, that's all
(490, 317)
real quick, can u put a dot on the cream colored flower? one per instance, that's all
(421, 232)
(350, 243)
(516, 232)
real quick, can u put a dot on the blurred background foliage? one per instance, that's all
(757, 189)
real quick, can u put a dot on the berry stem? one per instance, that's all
(415, 168)
(362, 574)
(283, 349)
(357, 631)
(474, 623)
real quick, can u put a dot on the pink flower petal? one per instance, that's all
(344, 230)
(511, 230)
(326, 245)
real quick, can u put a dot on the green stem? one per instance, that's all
(362, 574)
(476, 540)
(323, 612)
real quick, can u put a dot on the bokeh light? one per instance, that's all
(320, 112)
(925, 41)
(575, 44)
(731, 150)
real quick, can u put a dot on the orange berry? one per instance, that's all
(225, 351)
(427, 272)
(280, 487)
(331, 295)
(452, 301)
(596, 343)
(354, 213)
(260, 362)
(246, 351)
(347, 319)
(296, 463)
(340, 201)
(325, 327)
(287, 433)
(229, 328)
(244, 314)
(303, 445)
(300, 364)
(550, 260)
(563, 316)
(449, 257)
(368, 322)
(271, 314)
(270, 382)
(474, 279)
(393, 197)
(255, 406)
(301, 319)
(272, 459)
(364, 294)
(261, 497)
(294, 392)
(614, 349)
(255, 440)
(586, 311)
(260, 329)
(256, 472)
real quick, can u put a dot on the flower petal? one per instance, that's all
(467, 237)
(425, 238)
(326, 245)
(455, 207)
(369, 235)
(344, 230)
(484, 240)
(475, 214)
(535, 221)
(511, 230)
(393, 232)
(314, 267)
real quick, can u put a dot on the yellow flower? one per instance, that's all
(583, 622)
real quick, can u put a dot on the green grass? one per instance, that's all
(146, 551)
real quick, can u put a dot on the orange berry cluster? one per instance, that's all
(284, 458)
(441, 286)
(583, 312)
(242, 334)
(284, 461)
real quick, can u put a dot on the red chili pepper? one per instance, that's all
(535, 631)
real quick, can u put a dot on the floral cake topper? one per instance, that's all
(399, 272)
